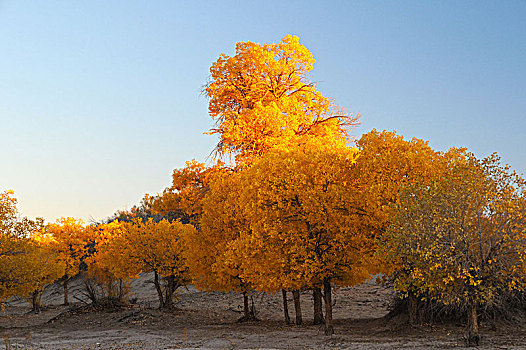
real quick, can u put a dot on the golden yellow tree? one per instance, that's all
(68, 241)
(301, 205)
(109, 267)
(386, 163)
(221, 224)
(464, 235)
(39, 265)
(261, 97)
(158, 247)
(12, 228)
(26, 263)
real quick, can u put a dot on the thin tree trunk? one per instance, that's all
(318, 305)
(327, 291)
(246, 309)
(168, 300)
(121, 290)
(65, 285)
(158, 288)
(473, 337)
(36, 303)
(249, 311)
(412, 308)
(285, 306)
(297, 306)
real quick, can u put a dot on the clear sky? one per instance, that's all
(100, 100)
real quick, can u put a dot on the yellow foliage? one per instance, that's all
(261, 97)
(68, 240)
(461, 238)
(39, 266)
(108, 264)
(27, 263)
(182, 200)
(301, 207)
(220, 224)
(157, 246)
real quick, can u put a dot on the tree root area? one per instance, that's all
(210, 321)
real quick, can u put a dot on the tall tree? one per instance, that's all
(262, 97)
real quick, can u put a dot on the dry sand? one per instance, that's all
(208, 321)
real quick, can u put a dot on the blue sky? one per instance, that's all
(100, 100)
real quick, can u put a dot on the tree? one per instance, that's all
(25, 264)
(386, 163)
(109, 267)
(301, 207)
(158, 247)
(39, 265)
(68, 241)
(463, 235)
(261, 97)
(208, 248)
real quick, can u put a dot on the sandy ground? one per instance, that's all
(208, 321)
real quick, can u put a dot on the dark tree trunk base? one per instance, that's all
(247, 318)
(297, 307)
(327, 291)
(158, 288)
(249, 312)
(413, 309)
(472, 337)
(318, 306)
(285, 306)
(36, 303)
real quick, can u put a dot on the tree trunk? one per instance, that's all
(412, 308)
(65, 285)
(297, 306)
(120, 294)
(36, 303)
(246, 308)
(170, 287)
(473, 337)
(285, 306)
(158, 288)
(327, 291)
(318, 305)
(249, 311)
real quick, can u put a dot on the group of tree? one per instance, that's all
(108, 255)
(300, 206)
(304, 207)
